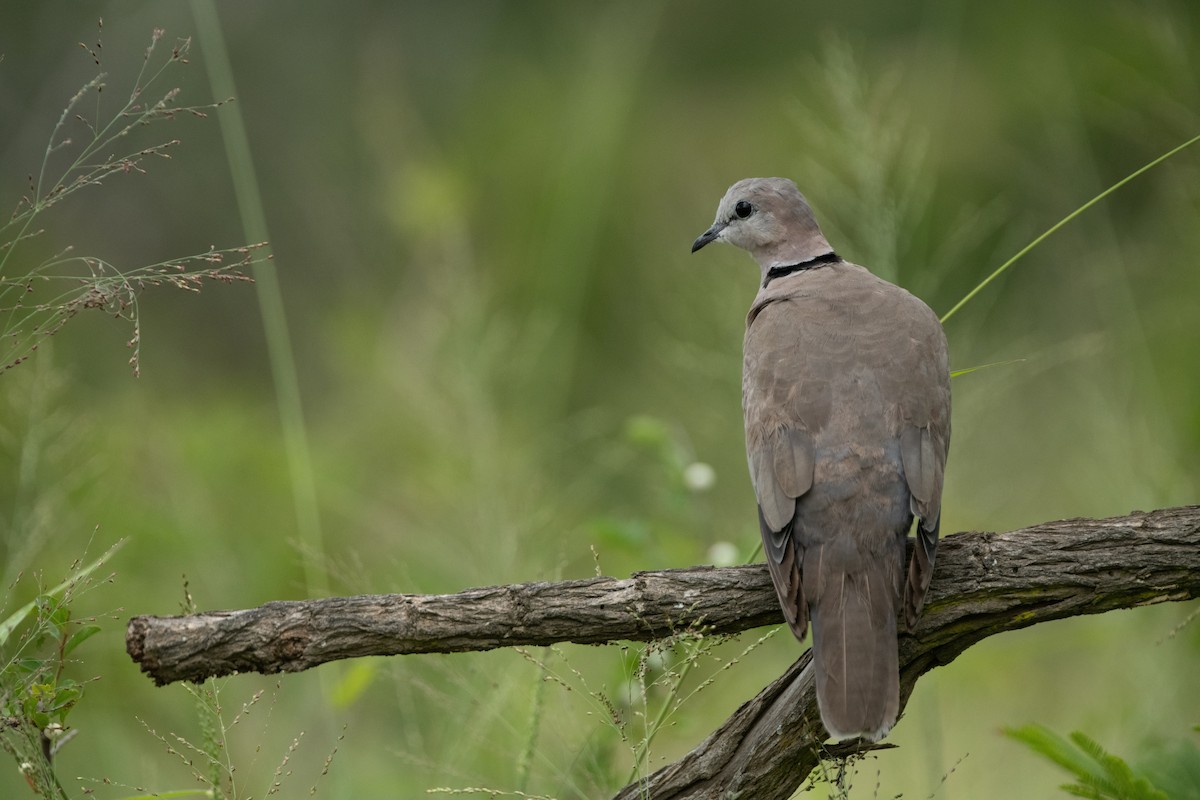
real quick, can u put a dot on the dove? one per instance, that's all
(846, 397)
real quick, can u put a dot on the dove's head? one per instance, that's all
(770, 219)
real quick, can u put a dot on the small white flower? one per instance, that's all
(699, 477)
(723, 554)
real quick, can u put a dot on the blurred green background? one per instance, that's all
(480, 215)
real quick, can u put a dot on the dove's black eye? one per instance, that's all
(743, 209)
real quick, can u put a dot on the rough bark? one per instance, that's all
(290, 636)
(984, 584)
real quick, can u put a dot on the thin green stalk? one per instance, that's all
(270, 298)
(643, 750)
(525, 759)
(1004, 267)
(667, 707)
(129, 117)
(954, 373)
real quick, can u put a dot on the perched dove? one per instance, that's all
(846, 392)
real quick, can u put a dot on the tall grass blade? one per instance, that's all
(1004, 267)
(270, 298)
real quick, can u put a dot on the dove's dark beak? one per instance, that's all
(709, 235)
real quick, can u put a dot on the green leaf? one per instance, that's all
(1046, 742)
(64, 700)
(80, 636)
(59, 617)
(47, 606)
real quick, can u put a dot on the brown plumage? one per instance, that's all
(846, 394)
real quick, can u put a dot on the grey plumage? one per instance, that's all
(846, 395)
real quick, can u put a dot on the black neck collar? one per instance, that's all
(778, 272)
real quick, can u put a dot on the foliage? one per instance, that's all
(36, 694)
(1099, 775)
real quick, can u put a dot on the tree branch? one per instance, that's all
(984, 584)
(290, 636)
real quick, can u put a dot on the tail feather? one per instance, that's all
(854, 649)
